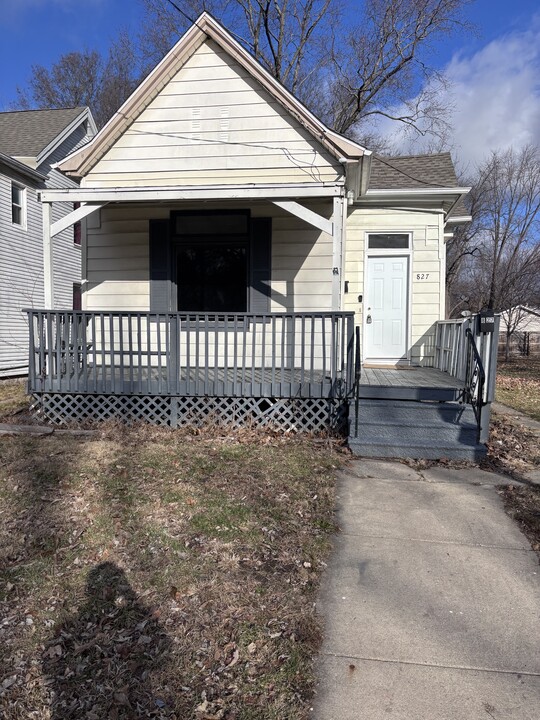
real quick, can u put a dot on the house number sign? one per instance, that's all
(422, 276)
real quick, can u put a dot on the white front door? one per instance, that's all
(386, 308)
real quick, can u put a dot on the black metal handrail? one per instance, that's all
(475, 379)
(357, 375)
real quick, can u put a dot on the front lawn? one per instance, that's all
(518, 385)
(149, 573)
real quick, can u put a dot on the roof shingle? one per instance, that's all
(25, 133)
(412, 171)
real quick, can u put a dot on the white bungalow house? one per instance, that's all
(241, 259)
(30, 143)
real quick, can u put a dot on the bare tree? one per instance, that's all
(71, 82)
(495, 262)
(508, 213)
(85, 78)
(288, 37)
(385, 57)
(348, 62)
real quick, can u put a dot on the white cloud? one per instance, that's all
(495, 97)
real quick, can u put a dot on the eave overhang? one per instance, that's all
(21, 168)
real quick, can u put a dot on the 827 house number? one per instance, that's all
(422, 276)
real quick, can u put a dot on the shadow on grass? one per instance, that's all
(100, 662)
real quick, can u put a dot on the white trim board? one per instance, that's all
(203, 192)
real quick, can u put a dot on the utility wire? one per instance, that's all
(184, 14)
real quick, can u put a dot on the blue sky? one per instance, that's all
(495, 74)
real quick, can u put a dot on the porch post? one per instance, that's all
(338, 232)
(48, 264)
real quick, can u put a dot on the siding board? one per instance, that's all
(213, 124)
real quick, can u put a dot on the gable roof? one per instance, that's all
(81, 161)
(26, 133)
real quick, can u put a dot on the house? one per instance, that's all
(30, 143)
(242, 260)
(520, 331)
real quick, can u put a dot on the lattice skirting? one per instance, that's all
(288, 415)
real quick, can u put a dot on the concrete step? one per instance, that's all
(409, 429)
(410, 435)
(418, 414)
(398, 392)
(454, 451)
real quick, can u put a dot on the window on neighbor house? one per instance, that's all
(18, 204)
(77, 296)
(76, 227)
(388, 241)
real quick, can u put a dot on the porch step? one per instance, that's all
(403, 392)
(412, 429)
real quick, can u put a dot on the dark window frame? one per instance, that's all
(77, 294)
(77, 227)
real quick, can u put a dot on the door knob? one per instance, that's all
(368, 319)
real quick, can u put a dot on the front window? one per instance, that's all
(18, 205)
(211, 262)
(212, 277)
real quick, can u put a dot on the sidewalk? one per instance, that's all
(431, 601)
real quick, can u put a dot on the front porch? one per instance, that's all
(295, 370)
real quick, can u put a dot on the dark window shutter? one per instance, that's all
(260, 262)
(160, 273)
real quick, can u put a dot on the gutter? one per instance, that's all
(21, 168)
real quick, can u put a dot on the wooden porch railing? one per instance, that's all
(197, 354)
(470, 356)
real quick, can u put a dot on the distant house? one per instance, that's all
(242, 261)
(520, 331)
(30, 143)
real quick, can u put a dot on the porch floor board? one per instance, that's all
(413, 377)
(217, 382)
(409, 384)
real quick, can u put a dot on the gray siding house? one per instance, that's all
(31, 142)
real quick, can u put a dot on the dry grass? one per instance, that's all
(13, 398)
(518, 385)
(514, 450)
(148, 573)
(523, 504)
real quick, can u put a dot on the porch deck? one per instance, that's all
(289, 355)
(414, 383)
(194, 382)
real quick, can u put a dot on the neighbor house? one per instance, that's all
(30, 143)
(243, 261)
(520, 331)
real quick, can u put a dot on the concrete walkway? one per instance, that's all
(431, 601)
